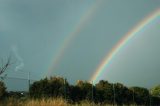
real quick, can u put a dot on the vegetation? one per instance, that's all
(5, 65)
(49, 102)
(100, 93)
(155, 91)
(56, 91)
(3, 68)
(2, 90)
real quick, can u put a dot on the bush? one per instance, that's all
(141, 95)
(53, 87)
(2, 90)
(102, 92)
(155, 101)
(155, 91)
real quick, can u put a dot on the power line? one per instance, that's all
(10, 77)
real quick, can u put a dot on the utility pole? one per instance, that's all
(29, 81)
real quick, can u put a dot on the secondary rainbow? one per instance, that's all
(127, 37)
(81, 24)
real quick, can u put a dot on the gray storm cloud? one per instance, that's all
(19, 61)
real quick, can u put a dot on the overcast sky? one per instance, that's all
(33, 31)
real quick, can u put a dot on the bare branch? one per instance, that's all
(4, 66)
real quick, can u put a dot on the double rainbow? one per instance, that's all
(127, 37)
(65, 44)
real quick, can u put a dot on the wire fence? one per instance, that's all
(23, 84)
(17, 83)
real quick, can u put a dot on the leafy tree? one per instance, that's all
(2, 90)
(39, 88)
(53, 87)
(74, 93)
(58, 86)
(104, 92)
(155, 101)
(141, 95)
(155, 91)
(85, 90)
(122, 94)
(3, 68)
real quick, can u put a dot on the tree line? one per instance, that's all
(103, 92)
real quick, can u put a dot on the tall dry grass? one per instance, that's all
(34, 102)
(46, 102)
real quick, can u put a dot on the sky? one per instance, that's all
(70, 38)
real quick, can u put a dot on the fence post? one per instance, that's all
(92, 92)
(114, 95)
(133, 97)
(65, 88)
(150, 100)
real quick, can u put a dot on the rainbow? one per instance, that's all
(127, 37)
(67, 41)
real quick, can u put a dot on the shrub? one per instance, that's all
(2, 90)
(155, 91)
(53, 87)
(141, 95)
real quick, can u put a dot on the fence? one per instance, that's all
(22, 84)
(17, 83)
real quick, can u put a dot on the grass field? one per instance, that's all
(46, 102)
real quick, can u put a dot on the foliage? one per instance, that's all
(155, 91)
(2, 90)
(3, 68)
(122, 94)
(85, 89)
(104, 92)
(141, 95)
(101, 93)
(53, 87)
(155, 101)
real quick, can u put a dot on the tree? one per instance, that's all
(39, 88)
(104, 92)
(141, 95)
(155, 91)
(58, 86)
(122, 94)
(53, 87)
(2, 90)
(74, 93)
(4, 66)
(155, 101)
(85, 90)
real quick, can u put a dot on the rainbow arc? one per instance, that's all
(126, 38)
